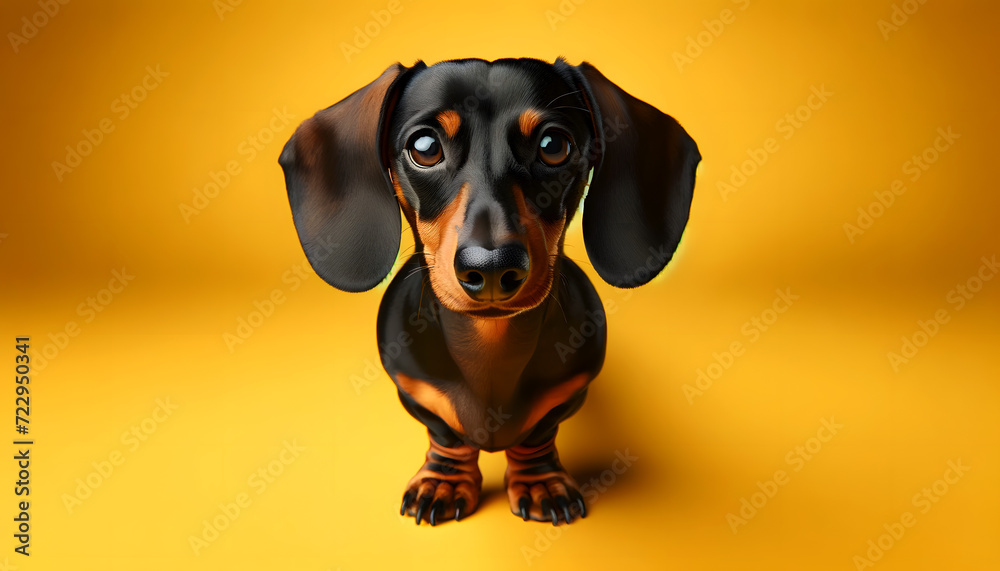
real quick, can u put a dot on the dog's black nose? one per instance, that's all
(491, 275)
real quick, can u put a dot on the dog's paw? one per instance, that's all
(435, 501)
(554, 497)
(539, 488)
(446, 487)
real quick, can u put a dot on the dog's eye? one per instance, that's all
(554, 148)
(425, 150)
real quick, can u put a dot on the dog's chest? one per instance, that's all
(491, 355)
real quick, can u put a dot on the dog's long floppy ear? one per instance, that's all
(342, 201)
(640, 194)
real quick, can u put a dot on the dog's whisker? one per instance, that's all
(420, 304)
(578, 262)
(587, 111)
(542, 231)
(415, 270)
(555, 298)
(561, 96)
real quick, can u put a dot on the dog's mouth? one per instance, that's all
(492, 313)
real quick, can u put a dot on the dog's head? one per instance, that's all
(489, 161)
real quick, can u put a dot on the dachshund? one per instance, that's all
(489, 162)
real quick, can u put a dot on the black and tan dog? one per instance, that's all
(489, 162)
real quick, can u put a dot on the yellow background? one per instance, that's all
(335, 506)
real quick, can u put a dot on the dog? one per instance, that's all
(498, 333)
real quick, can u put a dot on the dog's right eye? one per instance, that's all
(425, 149)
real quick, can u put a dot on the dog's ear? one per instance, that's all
(640, 194)
(343, 205)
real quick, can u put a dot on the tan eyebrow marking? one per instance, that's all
(528, 120)
(450, 121)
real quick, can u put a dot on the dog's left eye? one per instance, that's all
(553, 148)
(425, 150)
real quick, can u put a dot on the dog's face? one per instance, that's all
(489, 161)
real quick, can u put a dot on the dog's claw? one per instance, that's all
(523, 504)
(436, 508)
(425, 502)
(548, 508)
(407, 499)
(563, 504)
(459, 509)
(583, 506)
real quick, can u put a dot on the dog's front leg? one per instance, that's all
(538, 487)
